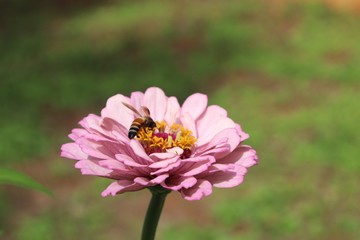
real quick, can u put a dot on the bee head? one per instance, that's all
(152, 124)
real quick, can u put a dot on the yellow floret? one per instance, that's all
(153, 143)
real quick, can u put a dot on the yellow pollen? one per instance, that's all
(165, 137)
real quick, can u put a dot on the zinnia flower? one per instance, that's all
(192, 149)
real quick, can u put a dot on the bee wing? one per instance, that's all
(132, 109)
(145, 111)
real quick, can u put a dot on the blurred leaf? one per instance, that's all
(9, 176)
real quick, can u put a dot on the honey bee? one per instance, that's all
(144, 120)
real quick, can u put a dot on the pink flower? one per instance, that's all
(192, 149)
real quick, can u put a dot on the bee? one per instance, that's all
(144, 120)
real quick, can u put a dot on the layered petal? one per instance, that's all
(177, 182)
(146, 181)
(194, 105)
(116, 110)
(73, 151)
(91, 167)
(172, 111)
(156, 101)
(137, 99)
(243, 155)
(121, 186)
(226, 176)
(201, 189)
(212, 115)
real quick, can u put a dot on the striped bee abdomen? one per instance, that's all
(135, 127)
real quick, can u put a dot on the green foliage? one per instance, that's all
(82, 215)
(193, 233)
(44, 229)
(307, 155)
(20, 139)
(78, 61)
(9, 176)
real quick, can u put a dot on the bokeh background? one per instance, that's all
(288, 71)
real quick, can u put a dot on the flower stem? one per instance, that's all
(153, 212)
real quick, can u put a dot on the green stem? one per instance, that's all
(153, 212)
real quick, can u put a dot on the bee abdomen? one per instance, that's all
(132, 133)
(135, 127)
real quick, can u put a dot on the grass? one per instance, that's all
(305, 164)
(284, 74)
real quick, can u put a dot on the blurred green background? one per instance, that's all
(288, 71)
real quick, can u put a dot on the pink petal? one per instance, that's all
(128, 161)
(139, 151)
(163, 155)
(230, 136)
(73, 151)
(155, 100)
(212, 115)
(172, 111)
(89, 167)
(137, 99)
(175, 150)
(112, 164)
(215, 129)
(121, 186)
(77, 133)
(216, 149)
(243, 135)
(93, 149)
(120, 171)
(198, 191)
(243, 155)
(163, 162)
(166, 164)
(91, 121)
(193, 166)
(227, 178)
(189, 123)
(176, 183)
(116, 110)
(216, 167)
(144, 181)
(95, 137)
(194, 105)
(168, 169)
(115, 129)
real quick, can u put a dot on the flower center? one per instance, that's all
(164, 137)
